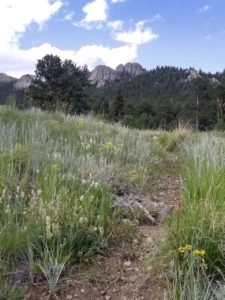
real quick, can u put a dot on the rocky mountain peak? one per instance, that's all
(133, 69)
(6, 78)
(103, 74)
(192, 74)
(24, 81)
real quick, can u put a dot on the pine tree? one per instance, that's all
(59, 85)
(117, 106)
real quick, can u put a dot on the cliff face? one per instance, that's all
(23, 82)
(103, 74)
(132, 69)
(4, 78)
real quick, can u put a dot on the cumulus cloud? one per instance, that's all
(96, 12)
(112, 57)
(140, 35)
(19, 62)
(115, 25)
(16, 16)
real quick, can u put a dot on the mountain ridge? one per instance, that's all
(100, 75)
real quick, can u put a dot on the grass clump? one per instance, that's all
(199, 221)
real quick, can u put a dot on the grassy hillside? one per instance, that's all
(58, 178)
(57, 173)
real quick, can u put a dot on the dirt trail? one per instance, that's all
(126, 273)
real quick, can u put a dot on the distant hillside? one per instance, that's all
(13, 85)
(162, 97)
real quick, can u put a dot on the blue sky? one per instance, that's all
(151, 32)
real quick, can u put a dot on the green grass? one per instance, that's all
(57, 173)
(57, 176)
(199, 220)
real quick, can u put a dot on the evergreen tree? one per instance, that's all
(117, 106)
(59, 85)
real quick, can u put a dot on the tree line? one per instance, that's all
(160, 98)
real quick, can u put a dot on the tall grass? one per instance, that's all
(56, 176)
(200, 221)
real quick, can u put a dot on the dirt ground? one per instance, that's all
(125, 272)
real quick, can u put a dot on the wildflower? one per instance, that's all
(134, 173)
(109, 145)
(199, 252)
(204, 266)
(184, 248)
(39, 192)
(55, 167)
(84, 181)
(82, 198)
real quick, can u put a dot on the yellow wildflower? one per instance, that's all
(204, 266)
(134, 173)
(109, 145)
(199, 252)
(55, 167)
(184, 248)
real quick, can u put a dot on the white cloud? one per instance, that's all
(18, 62)
(16, 16)
(116, 25)
(96, 12)
(69, 16)
(205, 8)
(118, 1)
(139, 36)
(112, 57)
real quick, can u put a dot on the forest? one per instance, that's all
(160, 98)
